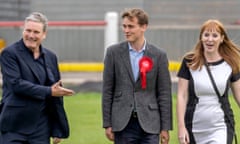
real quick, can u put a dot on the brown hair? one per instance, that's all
(138, 13)
(229, 51)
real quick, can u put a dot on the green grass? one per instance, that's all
(84, 115)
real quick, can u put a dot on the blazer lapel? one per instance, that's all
(147, 53)
(126, 60)
(29, 60)
(50, 75)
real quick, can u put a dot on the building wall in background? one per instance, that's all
(12, 10)
(84, 44)
(192, 12)
(82, 9)
(161, 12)
(174, 24)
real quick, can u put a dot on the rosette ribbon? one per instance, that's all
(145, 65)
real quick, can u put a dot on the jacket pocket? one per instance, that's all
(117, 96)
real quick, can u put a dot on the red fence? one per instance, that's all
(56, 23)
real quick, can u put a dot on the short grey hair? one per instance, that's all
(38, 17)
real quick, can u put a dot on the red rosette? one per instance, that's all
(145, 65)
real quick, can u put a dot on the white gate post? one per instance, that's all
(111, 29)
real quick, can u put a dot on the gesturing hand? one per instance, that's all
(58, 90)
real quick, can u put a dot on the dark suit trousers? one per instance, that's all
(134, 134)
(39, 136)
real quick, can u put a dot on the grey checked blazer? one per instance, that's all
(120, 91)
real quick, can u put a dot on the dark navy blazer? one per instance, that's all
(23, 95)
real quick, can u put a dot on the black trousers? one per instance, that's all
(134, 134)
(40, 136)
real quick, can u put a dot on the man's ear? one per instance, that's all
(45, 35)
(144, 27)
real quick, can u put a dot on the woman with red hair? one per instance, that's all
(207, 72)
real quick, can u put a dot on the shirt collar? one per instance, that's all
(142, 50)
(42, 52)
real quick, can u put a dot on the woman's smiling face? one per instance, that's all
(211, 39)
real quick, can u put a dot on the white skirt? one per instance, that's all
(209, 126)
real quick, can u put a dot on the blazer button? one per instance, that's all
(131, 105)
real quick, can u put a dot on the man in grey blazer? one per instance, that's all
(136, 104)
